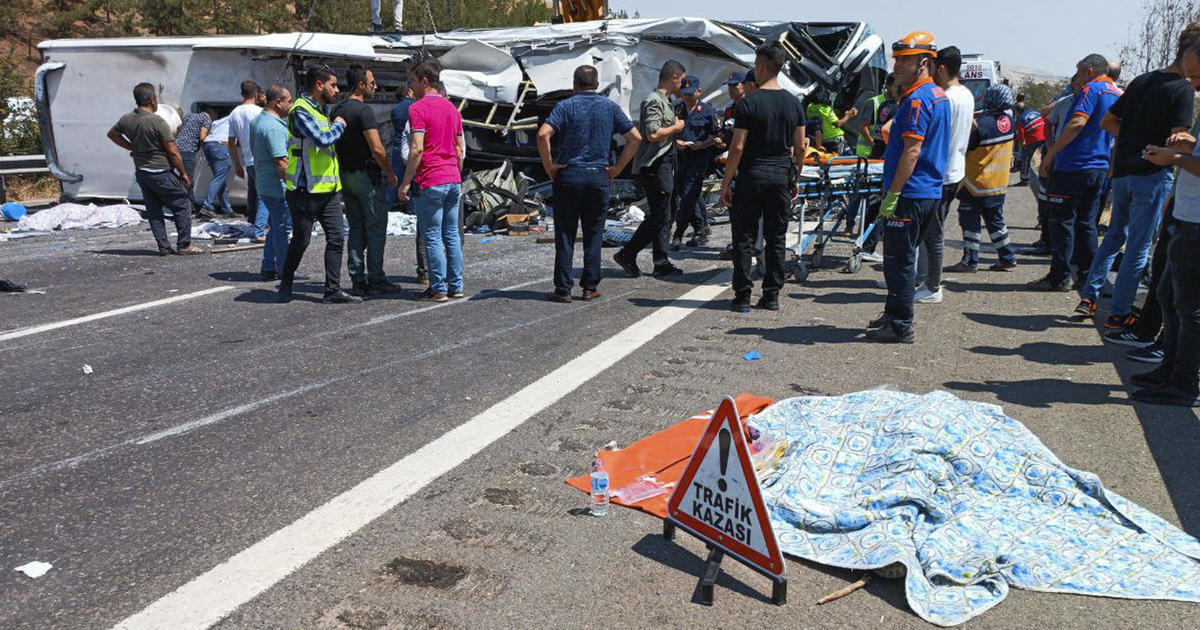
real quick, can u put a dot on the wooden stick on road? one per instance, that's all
(842, 592)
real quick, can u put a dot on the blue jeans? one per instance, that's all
(254, 205)
(437, 215)
(1074, 198)
(280, 222)
(1137, 202)
(219, 161)
(902, 235)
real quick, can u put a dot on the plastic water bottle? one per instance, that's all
(599, 494)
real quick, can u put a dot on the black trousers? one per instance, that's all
(658, 180)
(1179, 293)
(902, 235)
(308, 208)
(1074, 204)
(689, 181)
(161, 190)
(766, 197)
(580, 197)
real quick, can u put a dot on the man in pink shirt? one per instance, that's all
(435, 162)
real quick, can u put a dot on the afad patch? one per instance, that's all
(719, 499)
(1003, 124)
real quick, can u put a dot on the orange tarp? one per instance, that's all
(664, 454)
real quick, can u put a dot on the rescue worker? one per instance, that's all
(314, 183)
(989, 154)
(914, 165)
(833, 136)
(654, 166)
(1077, 166)
(694, 145)
(878, 110)
(1031, 127)
(766, 153)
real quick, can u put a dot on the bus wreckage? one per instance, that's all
(504, 81)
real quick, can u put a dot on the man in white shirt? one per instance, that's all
(243, 159)
(962, 113)
(216, 153)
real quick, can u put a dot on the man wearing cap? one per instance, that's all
(695, 146)
(914, 164)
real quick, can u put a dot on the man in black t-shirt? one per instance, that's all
(765, 154)
(1154, 106)
(363, 164)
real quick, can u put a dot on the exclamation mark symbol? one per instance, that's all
(723, 439)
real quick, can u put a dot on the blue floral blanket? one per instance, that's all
(968, 500)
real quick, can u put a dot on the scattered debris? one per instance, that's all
(13, 211)
(401, 224)
(87, 369)
(846, 590)
(753, 355)
(234, 231)
(35, 569)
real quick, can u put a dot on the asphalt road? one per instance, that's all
(214, 428)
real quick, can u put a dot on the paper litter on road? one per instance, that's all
(70, 216)
(35, 569)
(233, 229)
(753, 355)
(87, 369)
(633, 215)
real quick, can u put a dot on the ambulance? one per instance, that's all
(978, 74)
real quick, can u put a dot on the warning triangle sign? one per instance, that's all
(719, 499)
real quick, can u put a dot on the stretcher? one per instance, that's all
(839, 190)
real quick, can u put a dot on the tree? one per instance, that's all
(1152, 41)
(1039, 93)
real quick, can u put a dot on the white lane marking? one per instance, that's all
(33, 330)
(72, 462)
(211, 596)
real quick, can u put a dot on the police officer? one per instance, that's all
(695, 145)
(768, 146)
(914, 164)
(313, 183)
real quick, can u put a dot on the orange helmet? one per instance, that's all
(915, 43)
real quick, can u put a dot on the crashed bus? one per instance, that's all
(505, 81)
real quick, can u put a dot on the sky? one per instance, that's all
(1057, 36)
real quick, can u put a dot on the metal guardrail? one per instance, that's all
(20, 165)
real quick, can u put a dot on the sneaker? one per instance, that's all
(423, 278)
(166, 252)
(561, 298)
(740, 305)
(666, 269)
(358, 289)
(1037, 249)
(1129, 337)
(888, 334)
(676, 244)
(268, 276)
(880, 322)
(429, 296)
(1120, 322)
(1154, 378)
(341, 297)
(1152, 354)
(768, 303)
(284, 296)
(457, 295)
(1047, 284)
(727, 253)
(1169, 395)
(697, 241)
(630, 266)
(205, 213)
(7, 286)
(961, 266)
(871, 257)
(1085, 308)
(190, 250)
(925, 296)
(590, 294)
(1003, 266)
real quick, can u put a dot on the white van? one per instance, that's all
(978, 74)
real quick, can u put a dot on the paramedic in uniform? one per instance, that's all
(914, 164)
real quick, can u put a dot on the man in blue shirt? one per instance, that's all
(399, 157)
(269, 146)
(582, 172)
(1077, 165)
(914, 165)
(695, 146)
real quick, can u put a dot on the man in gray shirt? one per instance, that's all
(149, 140)
(654, 166)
